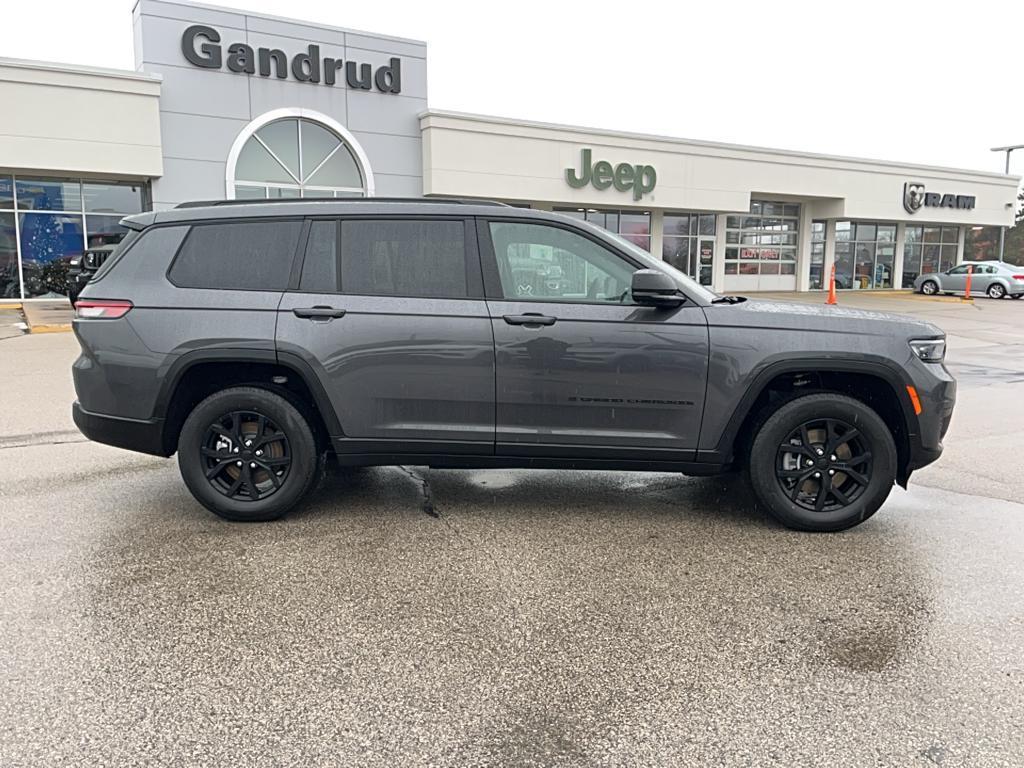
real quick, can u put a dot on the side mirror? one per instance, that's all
(652, 288)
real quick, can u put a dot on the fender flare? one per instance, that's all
(878, 368)
(174, 373)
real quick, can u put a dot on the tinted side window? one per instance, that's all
(249, 255)
(390, 257)
(320, 266)
(544, 263)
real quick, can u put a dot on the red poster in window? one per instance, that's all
(748, 253)
(769, 253)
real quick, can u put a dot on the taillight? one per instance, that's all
(102, 310)
(1018, 277)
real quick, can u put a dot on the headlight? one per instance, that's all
(929, 350)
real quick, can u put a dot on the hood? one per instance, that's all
(796, 316)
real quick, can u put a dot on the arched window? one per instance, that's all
(290, 154)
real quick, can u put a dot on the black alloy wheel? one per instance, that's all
(248, 453)
(822, 461)
(245, 456)
(823, 465)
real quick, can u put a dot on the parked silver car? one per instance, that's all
(994, 279)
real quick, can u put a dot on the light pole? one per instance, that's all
(1008, 151)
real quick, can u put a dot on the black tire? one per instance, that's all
(929, 288)
(257, 426)
(785, 489)
(1016, 295)
(996, 291)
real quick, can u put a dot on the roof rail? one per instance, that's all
(276, 201)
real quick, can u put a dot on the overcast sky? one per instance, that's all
(930, 82)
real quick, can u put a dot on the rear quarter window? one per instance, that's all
(246, 255)
(119, 249)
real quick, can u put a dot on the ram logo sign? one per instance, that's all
(915, 197)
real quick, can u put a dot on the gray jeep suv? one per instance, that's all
(255, 338)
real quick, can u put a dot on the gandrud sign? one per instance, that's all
(201, 46)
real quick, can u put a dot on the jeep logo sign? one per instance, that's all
(915, 197)
(201, 47)
(624, 177)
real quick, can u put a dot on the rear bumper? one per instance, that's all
(142, 435)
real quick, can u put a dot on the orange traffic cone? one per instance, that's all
(832, 286)
(967, 292)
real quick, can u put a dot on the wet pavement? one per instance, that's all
(407, 616)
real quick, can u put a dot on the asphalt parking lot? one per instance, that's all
(416, 617)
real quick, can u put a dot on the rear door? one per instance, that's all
(389, 312)
(582, 371)
(982, 277)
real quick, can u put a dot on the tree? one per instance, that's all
(983, 243)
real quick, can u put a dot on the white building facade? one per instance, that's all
(227, 104)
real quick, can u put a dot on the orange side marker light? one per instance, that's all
(914, 399)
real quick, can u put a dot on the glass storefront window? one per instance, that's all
(122, 199)
(104, 230)
(48, 243)
(6, 191)
(10, 287)
(634, 226)
(49, 195)
(44, 222)
(928, 249)
(864, 254)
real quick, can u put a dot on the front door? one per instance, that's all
(389, 312)
(955, 280)
(580, 369)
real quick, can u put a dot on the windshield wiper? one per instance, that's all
(728, 300)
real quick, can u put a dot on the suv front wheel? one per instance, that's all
(247, 454)
(823, 462)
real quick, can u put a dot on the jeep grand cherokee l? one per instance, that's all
(253, 338)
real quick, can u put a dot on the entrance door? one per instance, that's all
(705, 259)
(580, 369)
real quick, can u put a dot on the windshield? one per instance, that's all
(686, 282)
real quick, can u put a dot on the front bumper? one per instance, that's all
(142, 435)
(937, 392)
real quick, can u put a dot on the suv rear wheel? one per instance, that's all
(823, 462)
(247, 454)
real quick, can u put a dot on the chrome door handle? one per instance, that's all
(318, 312)
(530, 319)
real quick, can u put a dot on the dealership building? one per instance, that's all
(228, 104)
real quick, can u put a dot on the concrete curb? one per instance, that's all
(48, 317)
